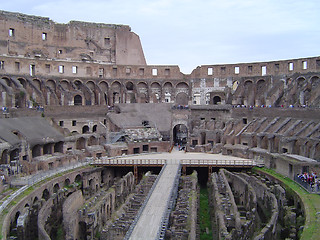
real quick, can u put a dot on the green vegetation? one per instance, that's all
(311, 204)
(27, 192)
(204, 215)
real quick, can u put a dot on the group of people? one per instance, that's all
(311, 179)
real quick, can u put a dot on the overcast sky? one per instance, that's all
(190, 33)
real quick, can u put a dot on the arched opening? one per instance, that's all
(13, 225)
(45, 194)
(78, 179)
(129, 86)
(81, 143)
(85, 129)
(67, 182)
(58, 147)
(47, 148)
(77, 100)
(64, 84)
(182, 99)
(116, 92)
(94, 128)
(92, 141)
(14, 155)
(22, 82)
(216, 100)
(56, 188)
(51, 84)
(180, 134)
(104, 89)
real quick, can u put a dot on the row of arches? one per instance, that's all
(30, 92)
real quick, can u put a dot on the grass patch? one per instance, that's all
(28, 191)
(204, 215)
(310, 201)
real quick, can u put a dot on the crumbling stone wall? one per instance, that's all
(117, 226)
(235, 219)
(183, 219)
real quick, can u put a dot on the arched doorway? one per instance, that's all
(77, 100)
(180, 135)
(216, 100)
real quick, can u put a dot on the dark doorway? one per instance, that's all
(180, 134)
(216, 100)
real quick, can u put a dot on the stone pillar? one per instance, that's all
(271, 143)
(48, 98)
(4, 99)
(62, 99)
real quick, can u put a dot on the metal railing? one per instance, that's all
(240, 162)
(311, 189)
(171, 202)
(134, 223)
(126, 161)
(31, 180)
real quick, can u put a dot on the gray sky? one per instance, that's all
(190, 33)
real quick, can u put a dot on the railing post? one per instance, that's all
(135, 171)
(209, 171)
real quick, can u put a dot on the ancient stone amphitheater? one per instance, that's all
(79, 103)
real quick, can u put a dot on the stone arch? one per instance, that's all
(216, 100)
(129, 86)
(23, 82)
(180, 134)
(36, 150)
(116, 91)
(78, 178)
(94, 128)
(103, 85)
(182, 85)
(300, 81)
(65, 84)
(8, 81)
(155, 92)
(85, 129)
(249, 95)
(130, 92)
(45, 194)
(260, 92)
(47, 148)
(92, 86)
(58, 147)
(167, 91)
(51, 84)
(92, 141)
(37, 83)
(78, 84)
(81, 143)
(182, 98)
(315, 81)
(13, 224)
(142, 90)
(77, 100)
(66, 182)
(56, 188)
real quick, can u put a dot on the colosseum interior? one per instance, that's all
(80, 94)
